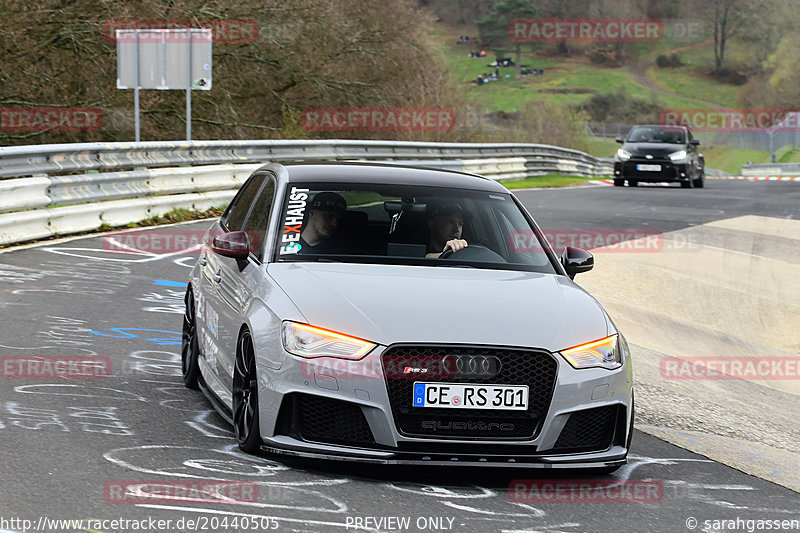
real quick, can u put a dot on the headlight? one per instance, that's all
(309, 341)
(677, 156)
(603, 353)
(623, 154)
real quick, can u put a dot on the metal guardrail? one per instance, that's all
(772, 169)
(61, 189)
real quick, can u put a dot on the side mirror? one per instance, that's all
(621, 140)
(576, 260)
(695, 142)
(235, 244)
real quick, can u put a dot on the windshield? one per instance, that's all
(408, 225)
(655, 134)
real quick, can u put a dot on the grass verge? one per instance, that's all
(548, 180)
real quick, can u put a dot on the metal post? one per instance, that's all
(136, 89)
(189, 88)
(136, 111)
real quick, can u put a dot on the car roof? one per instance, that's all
(346, 172)
(670, 126)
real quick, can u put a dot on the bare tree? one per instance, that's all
(727, 19)
(494, 27)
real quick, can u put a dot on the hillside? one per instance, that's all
(635, 91)
(273, 63)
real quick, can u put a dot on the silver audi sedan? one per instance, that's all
(394, 314)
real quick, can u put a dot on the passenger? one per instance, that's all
(445, 226)
(325, 213)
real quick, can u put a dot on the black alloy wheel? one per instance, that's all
(245, 396)
(189, 344)
(700, 181)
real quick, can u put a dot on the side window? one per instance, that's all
(237, 211)
(256, 223)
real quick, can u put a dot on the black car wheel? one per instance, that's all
(189, 344)
(686, 184)
(619, 182)
(633, 183)
(245, 396)
(700, 181)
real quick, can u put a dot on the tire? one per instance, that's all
(686, 184)
(245, 396)
(619, 182)
(600, 471)
(699, 183)
(633, 183)
(189, 345)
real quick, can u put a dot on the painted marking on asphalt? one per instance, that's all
(168, 283)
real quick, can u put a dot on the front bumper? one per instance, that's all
(282, 445)
(669, 171)
(316, 409)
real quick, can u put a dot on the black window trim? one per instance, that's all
(269, 176)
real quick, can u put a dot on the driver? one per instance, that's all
(445, 224)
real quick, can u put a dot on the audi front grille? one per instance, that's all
(405, 364)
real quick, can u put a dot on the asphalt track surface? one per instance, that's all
(68, 443)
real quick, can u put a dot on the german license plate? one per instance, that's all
(470, 396)
(649, 168)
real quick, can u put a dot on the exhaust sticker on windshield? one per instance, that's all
(293, 221)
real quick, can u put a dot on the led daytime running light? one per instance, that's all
(311, 341)
(604, 353)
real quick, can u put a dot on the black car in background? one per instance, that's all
(654, 153)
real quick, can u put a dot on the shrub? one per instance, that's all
(620, 107)
(669, 61)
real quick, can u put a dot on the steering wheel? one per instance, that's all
(473, 252)
(447, 253)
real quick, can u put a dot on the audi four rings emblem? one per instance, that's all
(473, 365)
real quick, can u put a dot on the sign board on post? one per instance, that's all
(164, 59)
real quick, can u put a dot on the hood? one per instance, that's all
(654, 149)
(390, 304)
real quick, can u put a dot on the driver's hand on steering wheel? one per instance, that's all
(455, 245)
